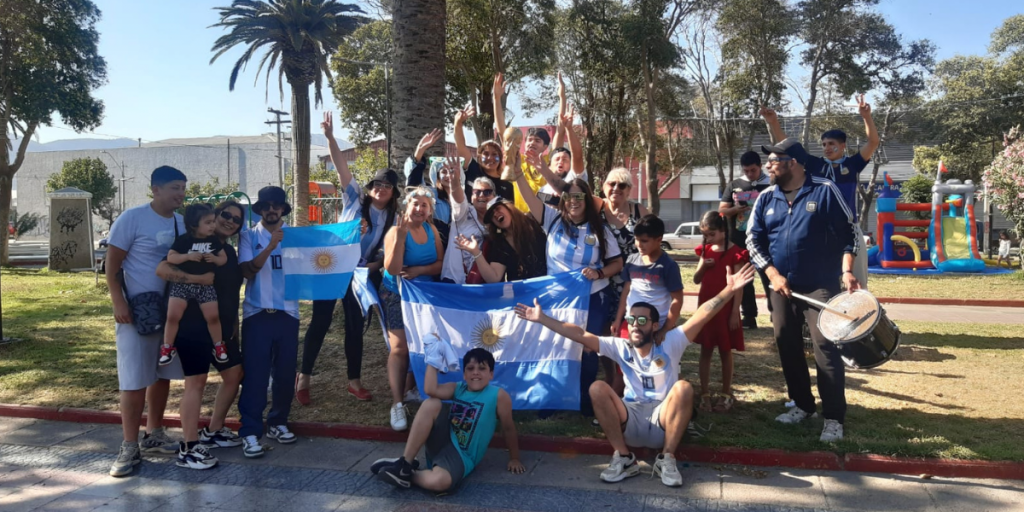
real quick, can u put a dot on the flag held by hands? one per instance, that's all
(318, 261)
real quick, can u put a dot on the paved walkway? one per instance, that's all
(63, 466)
(923, 313)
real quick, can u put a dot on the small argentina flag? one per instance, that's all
(318, 261)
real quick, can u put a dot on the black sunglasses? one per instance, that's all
(573, 196)
(227, 216)
(620, 186)
(637, 320)
(486, 192)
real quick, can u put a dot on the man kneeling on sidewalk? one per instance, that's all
(457, 434)
(656, 406)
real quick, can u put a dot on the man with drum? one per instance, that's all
(801, 235)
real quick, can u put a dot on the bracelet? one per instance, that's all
(477, 255)
(600, 273)
(847, 271)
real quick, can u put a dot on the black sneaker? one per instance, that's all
(750, 323)
(382, 463)
(195, 458)
(398, 474)
(223, 438)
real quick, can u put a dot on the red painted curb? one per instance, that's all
(932, 302)
(586, 446)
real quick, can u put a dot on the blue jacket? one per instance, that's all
(805, 242)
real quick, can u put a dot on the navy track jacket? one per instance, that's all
(806, 241)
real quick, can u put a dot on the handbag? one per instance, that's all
(149, 309)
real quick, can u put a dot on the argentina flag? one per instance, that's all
(318, 261)
(538, 368)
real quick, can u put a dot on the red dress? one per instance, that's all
(716, 332)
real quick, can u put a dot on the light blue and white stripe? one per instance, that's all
(319, 260)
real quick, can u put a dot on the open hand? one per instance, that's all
(737, 281)
(499, 85)
(428, 140)
(532, 314)
(470, 245)
(463, 115)
(401, 225)
(734, 322)
(516, 467)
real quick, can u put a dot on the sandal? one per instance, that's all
(705, 402)
(725, 403)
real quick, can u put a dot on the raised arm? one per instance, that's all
(537, 162)
(774, 127)
(498, 91)
(432, 388)
(252, 267)
(574, 141)
(570, 331)
(416, 166)
(734, 286)
(869, 127)
(460, 137)
(344, 174)
(559, 139)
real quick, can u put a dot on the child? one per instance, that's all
(724, 330)
(1004, 249)
(196, 252)
(650, 276)
(456, 435)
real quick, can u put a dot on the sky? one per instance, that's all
(160, 83)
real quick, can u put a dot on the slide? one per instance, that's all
(955, 238)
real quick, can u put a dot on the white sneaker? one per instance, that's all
(794, 416)
(665, 465)
(195, 458)
(413, 396)
(398, 418)
(281, 434)
(251, 447)
(620, 468)
(832, 432)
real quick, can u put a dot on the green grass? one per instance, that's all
(953, 390)
(991, 287)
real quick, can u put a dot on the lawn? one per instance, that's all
(952, 391)
(960, 286)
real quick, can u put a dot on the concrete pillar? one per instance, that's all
(71, 230)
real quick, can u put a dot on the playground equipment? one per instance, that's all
(320, 205)
(952, 244)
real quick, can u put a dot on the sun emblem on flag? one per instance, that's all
(323, 261)
(487, 335)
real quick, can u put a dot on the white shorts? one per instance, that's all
(643, 425)
(137, 358)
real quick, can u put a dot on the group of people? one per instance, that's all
(503, 213)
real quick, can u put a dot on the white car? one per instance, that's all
(686, 237)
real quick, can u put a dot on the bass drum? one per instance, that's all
(867, 342)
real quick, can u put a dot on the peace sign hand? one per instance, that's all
(768, 114)
(328, 125)
(863, 107)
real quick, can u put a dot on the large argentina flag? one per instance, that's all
(318, 261)
(538, 368)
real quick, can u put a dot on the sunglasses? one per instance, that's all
(620, 186)
(380, 185)
(275, 206)
(636, 320)
(227, 216)
(483, 192)
(575, 196)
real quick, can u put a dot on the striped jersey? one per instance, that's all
(351, 201)
(648, 379)
(266, 289)
(575, 247)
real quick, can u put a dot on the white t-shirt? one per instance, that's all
(576, 248)
(351, 201)
(465, 222)
(146, 236)
(1004, 248)
(569, 176)
(266, 289)
(648, 379)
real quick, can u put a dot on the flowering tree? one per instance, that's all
(1005, 179)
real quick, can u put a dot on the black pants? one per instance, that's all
(749, 304)
(323, 312)
(788, 318)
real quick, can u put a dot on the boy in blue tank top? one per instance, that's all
(456, 434)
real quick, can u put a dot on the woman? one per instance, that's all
(376, 206)
(195, 349)
(487, 162)
(515, 244)
(412, 250)
(439, 183)
(577, 239)
(467, 214)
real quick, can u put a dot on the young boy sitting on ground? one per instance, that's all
(456, 434)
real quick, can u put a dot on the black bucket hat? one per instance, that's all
(271, 194)
(386, 176)
(489, 214)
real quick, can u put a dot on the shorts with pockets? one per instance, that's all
(391, 307)
(199, 292)
(137, 357)
(643, 425)
(441, 451)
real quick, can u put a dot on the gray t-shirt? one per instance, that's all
(146, 237)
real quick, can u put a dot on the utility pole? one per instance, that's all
(229, 163)
(280, 159)
(121, 181)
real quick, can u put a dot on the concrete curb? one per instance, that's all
(932, 302)
(586, 446)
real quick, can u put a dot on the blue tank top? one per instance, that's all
(473, 417)
(415, 255)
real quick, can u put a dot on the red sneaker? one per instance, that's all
(220, 352)
(167, 353)
(362, 394)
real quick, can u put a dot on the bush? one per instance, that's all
(1005, 179)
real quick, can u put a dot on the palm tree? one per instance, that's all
(297, 36)
(418, 81)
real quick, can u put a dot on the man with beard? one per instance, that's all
(656, 406)
(270, 326)
(802, 237)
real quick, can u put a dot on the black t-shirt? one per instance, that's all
(227, 281)
(523, 265)
(742, 192)
(186, 244)
(503, 188)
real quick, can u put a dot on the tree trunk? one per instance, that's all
(805, 137)
(7, 171)
(6, 186)
(418, 31)
(483, 125)
(651, 139)
(300, 150)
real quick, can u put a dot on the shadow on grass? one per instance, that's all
(967, 341)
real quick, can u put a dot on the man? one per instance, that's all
(139, 241)
(656, 406)
(270, 327)
(836, 166)
(737, 199)
(803, 238)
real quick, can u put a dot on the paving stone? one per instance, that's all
(339, 482)
(129, 504)
(111, 487)
(17, 477)
(166, 490)
(28, 498)
(209, 495)
(951, 495)
(46, 433)
(678, 504)
(75, 501)
(12, 424)
(287, 478)
(699, 483)
(177, 506)
(362, 504)
(67, 481)
(316, 502)
(257, 499)
(494, 468)
(321, 453)
(793, 488)
(866, 491)
(543, 499)
(103, 438)
(234, 474)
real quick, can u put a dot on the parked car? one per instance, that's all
(686, 238)
(105, 245)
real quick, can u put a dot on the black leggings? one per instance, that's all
(323, 312)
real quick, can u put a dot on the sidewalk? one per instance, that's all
(48, 465)
(923, 313)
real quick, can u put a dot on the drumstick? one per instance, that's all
(822, 305)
